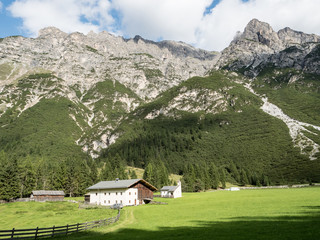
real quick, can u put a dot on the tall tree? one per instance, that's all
(106, 173)
(243, 178)
(27, 178)
(214, 176)
(234, 172)
(189, 178)
(223, 177)
(133, 174)
(9, 178)
(149, 174)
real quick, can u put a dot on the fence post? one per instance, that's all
(36, 234)
(77, 227)
(67, 229)
(53, 231)
(12, 234)
(86, 225)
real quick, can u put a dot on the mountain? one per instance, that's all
(250, 113)
(260, 46)
(103, 75)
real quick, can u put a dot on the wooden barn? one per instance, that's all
(125, 192)
(47, 195)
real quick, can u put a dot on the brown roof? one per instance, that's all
(47, 192)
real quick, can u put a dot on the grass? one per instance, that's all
(140, 172)
(38, 214)
(247, 214)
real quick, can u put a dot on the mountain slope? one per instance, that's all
(66, 99)
(221, 123)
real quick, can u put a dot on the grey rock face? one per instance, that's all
(146, 67)
(259, 45)
(87, 70)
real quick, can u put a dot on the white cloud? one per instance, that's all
(66, 15)
(218, 28)
(167, 19)
(0, 6)
(181, 20)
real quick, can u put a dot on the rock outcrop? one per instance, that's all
(146, 67)
(260, 46)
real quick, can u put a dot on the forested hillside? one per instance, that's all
(76, 109)
(240, 140)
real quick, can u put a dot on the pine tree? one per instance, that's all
(189, 178)
(27, 178)
(243, 178)
(234, 172)
(149, 174)
(9, 178)
(133, 174)
(214, 176)
(223, 178)
(119, 168)
(107, 173)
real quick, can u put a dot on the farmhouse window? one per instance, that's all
(129, 201)
(129, 193)
(121, 193)
(96, 194)
(116, 193)
(109, 194)
(120, 201)
(108, 201)
(104, 201)
(105, 193)
(116, 201)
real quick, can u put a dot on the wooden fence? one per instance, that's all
(166, 196)
(55, 230)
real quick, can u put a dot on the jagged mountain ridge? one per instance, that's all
(106, 79)
(87, 64)
(259, 46)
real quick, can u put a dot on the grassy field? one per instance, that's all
(37, 214)
(247, 214)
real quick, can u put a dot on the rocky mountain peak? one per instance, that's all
(259, 45)
(51, 32)
(262, 33)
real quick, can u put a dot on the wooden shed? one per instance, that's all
(47, 195)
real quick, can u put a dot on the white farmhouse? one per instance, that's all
(126, 192)
(171, 191)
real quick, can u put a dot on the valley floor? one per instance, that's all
(246, 214)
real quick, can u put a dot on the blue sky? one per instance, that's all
(8, 25)
(208, 24)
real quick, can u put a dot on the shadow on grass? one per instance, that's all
(294, 227)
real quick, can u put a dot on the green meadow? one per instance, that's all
(47, 214)
(246, 214)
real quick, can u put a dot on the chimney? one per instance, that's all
(117, 179)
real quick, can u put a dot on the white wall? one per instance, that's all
(108, 197)
(178, 192)
(164, 193)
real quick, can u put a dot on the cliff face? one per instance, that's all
(259, 46)
(146, 67)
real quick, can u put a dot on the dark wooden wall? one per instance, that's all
(143, 191)
(43, 198)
